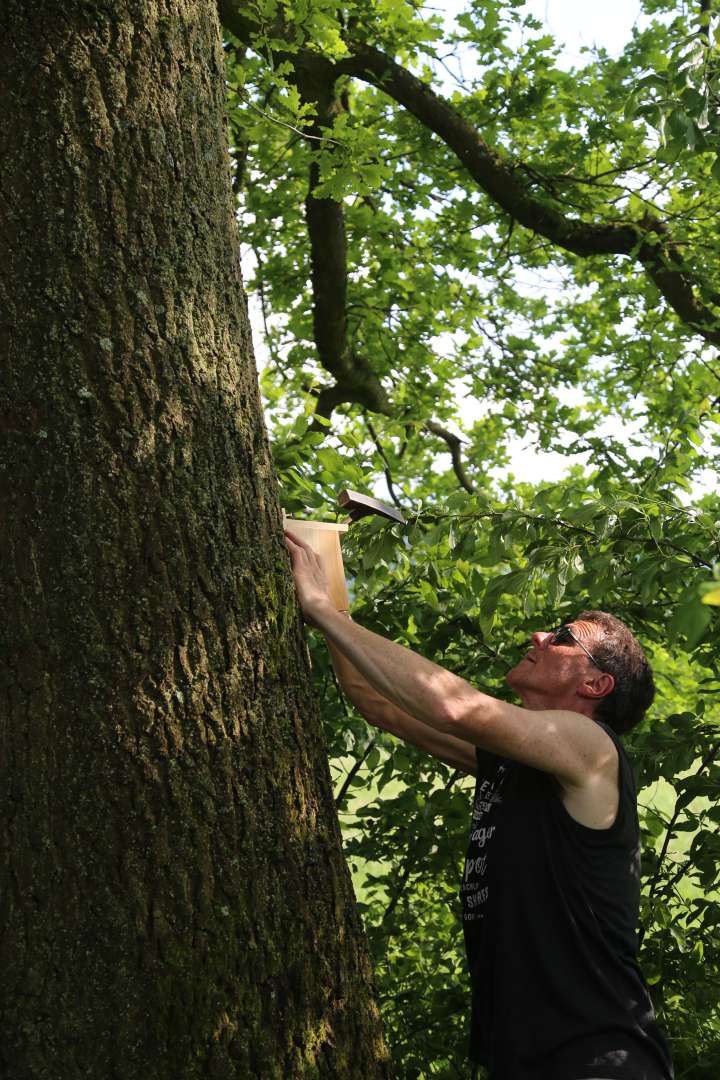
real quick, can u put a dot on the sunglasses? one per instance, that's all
(564, 636)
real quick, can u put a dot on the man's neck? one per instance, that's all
(540, 703)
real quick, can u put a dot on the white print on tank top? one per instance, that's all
(473, 889)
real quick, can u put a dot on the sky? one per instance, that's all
(576, 24)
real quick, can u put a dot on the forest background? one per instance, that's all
(455, 239)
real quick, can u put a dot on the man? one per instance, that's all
(551, 882)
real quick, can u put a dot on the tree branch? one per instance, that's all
(355, 379)
(648, 241)
(454, 443)
(381, 451)
(239, 155)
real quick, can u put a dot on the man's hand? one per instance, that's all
(310, 581)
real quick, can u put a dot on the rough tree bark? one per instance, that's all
(173, 898)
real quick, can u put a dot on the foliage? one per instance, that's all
(681, 99)
(467, 592)
(431, 314)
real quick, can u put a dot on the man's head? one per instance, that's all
(592, 665)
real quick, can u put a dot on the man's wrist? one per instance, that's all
(319, 614)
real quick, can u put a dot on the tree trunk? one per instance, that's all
(173, 898)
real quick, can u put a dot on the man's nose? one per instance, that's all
(541, 639)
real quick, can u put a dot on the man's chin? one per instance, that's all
(511, 678)
(520, 678)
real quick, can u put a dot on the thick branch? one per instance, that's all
(506, 182)
(355, 379)
(239, 154)
(647, 241)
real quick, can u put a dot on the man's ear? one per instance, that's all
(599, 686)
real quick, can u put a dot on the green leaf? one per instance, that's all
(689, 621)
(711, 593)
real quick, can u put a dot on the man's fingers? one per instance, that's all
(296, 542)
(295, 546)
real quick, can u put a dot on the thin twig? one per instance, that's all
(454, 443)
(340, 797)
(282, 123)
(679, 807)
(408, 863)
(381, 452)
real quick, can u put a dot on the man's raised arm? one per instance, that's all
(377, 709)
(383, 714)
(561, 741)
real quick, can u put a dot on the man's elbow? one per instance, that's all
(366, 701)
(463, 717)
(448, 718)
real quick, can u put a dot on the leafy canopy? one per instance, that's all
(453, 242)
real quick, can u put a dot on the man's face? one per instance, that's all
(551, 676)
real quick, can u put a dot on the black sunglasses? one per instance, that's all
(564, 636)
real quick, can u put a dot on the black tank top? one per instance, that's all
(550, 913)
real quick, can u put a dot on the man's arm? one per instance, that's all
(383, 714)
(566, 744)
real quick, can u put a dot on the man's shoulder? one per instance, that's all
(566, 744)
